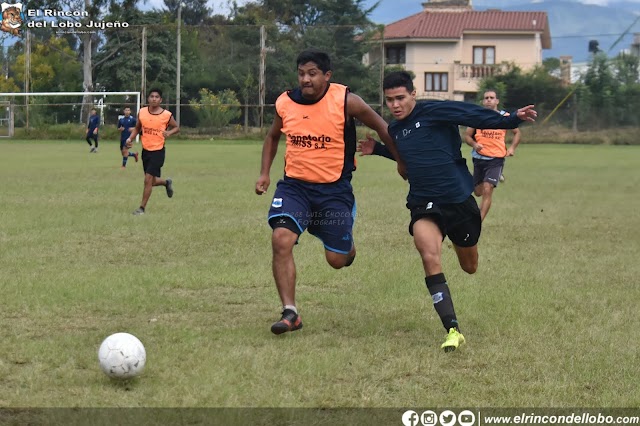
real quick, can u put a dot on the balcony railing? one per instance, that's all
(477, 71)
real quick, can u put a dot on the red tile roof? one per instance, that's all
(428, 24)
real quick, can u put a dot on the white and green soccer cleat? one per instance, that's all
(453, 340)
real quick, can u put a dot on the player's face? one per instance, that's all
(490, 100)
(127, 112)
(400, 101)
(154, 99)
(313, 82)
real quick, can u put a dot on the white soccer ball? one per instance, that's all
(122, 356)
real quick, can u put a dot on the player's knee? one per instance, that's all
(282, 240)
(469, 266)
(336, 260)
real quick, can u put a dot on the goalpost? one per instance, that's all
(9, 120)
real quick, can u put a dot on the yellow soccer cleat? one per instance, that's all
(453, 340)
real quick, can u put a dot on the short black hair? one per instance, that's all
(398, 79)
(158, 91)
(490, 89)
(320, 58)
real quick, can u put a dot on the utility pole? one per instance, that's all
(27, 74)
(143, 65)
(261, 89)
(178, 54)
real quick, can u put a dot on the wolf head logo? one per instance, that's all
(12, 18)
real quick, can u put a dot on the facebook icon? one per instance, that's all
(410, 418)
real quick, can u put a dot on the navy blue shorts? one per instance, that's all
(327, 210)
(460, 222)
(123, 144)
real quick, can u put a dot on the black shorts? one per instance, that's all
(152, 161)
(487, 171)
(460, 222)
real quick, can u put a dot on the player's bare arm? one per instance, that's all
(269, 150)
(468, 138)
(357, 108)
(174, 128)
(514, 142)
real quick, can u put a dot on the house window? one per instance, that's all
(396, 54)
(484, 55)
(436, 82)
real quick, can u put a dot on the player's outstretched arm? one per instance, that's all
(357, 108)
(527, 113)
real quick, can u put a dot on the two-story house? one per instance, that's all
(450, 47)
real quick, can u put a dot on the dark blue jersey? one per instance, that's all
(128, 123)
(94, 122)
(428, 141)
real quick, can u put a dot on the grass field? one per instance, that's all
(551, 318)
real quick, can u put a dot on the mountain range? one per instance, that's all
(572, 23)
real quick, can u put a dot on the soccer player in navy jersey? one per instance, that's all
(92, 130)
(125, 124)
(440, 196)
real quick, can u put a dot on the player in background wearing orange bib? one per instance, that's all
(317, 119)
(488, 154)
(153, 124)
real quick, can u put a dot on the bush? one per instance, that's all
(216, 111)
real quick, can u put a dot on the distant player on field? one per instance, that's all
(488, 154)
(153, 122)
(440, 184)
(318, 121)
(92, 130)
(125, 124)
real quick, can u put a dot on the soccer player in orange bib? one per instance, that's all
(488, 154)
(318, 121)
(153, 124)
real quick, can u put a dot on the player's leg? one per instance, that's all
(492, 173)
(333, 220)
(464, 225)
(88, 139)
(125, 152)
(288, 207)
(95, 139)
(152, 162)
(427, 228)
(486, 190)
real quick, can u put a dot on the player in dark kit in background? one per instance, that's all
(317, 119)
(125, 124)
(92, 130)
(440, 185)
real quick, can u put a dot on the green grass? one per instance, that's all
(551, 318)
